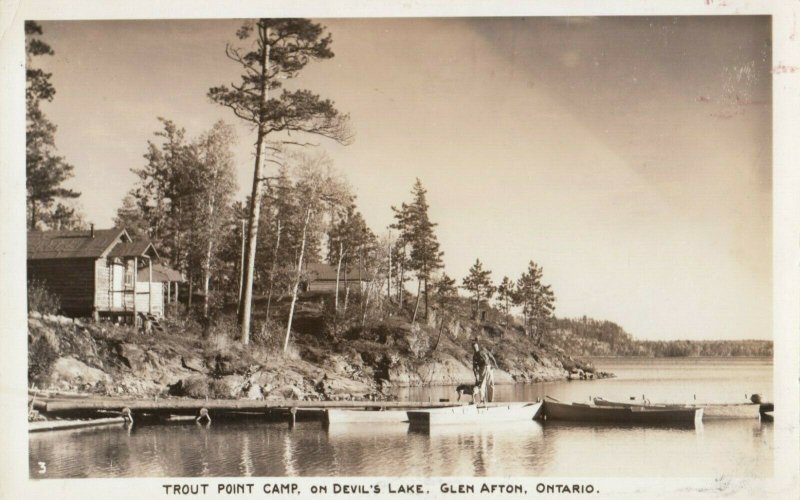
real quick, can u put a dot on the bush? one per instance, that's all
(42, 352)
(41, 299)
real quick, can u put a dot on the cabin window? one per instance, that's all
(129, 276)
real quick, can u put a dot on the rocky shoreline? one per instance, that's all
(116, 361)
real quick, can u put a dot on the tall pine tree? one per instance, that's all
(278, 50)
(45, 171)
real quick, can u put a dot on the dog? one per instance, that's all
(472, 389)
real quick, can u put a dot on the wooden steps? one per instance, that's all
(153, 320)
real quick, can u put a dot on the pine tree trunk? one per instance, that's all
(255, 206)
(296, 281)
(209, 253)
(366, 305)
(416, 306)
(274, 267)
(402, 278)
(338, 271)
(426, 298)
(191, 290)
(389, 275)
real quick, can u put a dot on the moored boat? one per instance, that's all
(580, 412)
(711, 411)
(475, 414)
(337, 416)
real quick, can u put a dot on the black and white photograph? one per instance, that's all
(490, 256)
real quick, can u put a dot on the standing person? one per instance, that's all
(483, 364)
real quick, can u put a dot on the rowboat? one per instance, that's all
(475, 414)
(580, 412)
(711, 411)
(336, 416)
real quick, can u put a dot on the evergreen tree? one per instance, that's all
(45, 171)
(348, 240)
(445, 291)
(505, 292)
(417, 232)
(279, 49)
(536, 299)
(479, 283)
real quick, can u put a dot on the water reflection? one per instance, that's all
(258, 448)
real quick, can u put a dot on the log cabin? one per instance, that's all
(101, 273)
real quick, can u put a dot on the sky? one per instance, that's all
(630, 157)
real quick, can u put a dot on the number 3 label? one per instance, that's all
(42, 467)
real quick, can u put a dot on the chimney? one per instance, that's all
(91, 230)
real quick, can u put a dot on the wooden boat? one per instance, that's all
(580, 412)
(711, 411)
(367, 416)
(475, 414)
(55, 425)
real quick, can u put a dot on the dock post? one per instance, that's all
(127, 415)
(203, 416)
(292, 416)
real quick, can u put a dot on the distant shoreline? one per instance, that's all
(592, 357)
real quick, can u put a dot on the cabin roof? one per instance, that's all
(161, 273)
(73, 244)
(134, 249)
(326, 272)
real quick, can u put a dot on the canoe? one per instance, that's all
(475, 414)
(711, 411)
(579, 412)
(336, 416)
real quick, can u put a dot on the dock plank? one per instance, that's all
(221, 405)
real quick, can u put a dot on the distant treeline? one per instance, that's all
(588, 337)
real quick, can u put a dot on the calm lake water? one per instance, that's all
(742, 448)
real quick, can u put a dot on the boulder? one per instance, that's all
(254, 392)
(193, 363)
(445, 371)
(134, 357)
(342, 386)
(196, 386)
(292, 392)
(227, 387)
(70, 371)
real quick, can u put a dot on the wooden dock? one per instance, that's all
(218, 406)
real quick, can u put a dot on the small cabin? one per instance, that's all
(101, 273)
(322, 278)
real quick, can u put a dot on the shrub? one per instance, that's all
(42, 299)
(43, 350)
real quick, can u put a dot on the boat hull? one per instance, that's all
(475, 414)
(711, 411)
(621, 415)
(335, 416)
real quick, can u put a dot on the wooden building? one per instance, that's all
(322, 278)
(100, 273)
